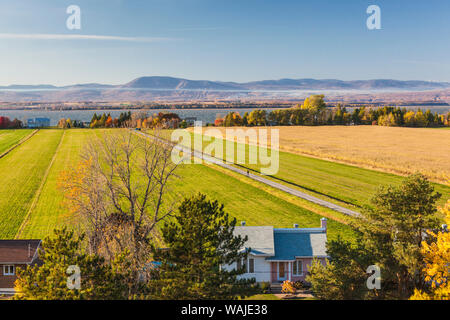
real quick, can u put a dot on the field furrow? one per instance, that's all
(22, 171)
(50, 212)
(9, 138)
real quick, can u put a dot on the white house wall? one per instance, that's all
(262, 269)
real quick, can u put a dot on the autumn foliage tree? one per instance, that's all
(118, 194)
(437, 264)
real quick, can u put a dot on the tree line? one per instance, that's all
(106, 121)
(314, 111)
(158, 120)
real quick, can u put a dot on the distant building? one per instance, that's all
(38, 123)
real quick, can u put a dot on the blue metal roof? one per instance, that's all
(293, 243)
(285, 244)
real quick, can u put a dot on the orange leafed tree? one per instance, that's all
(71, 182)
(109, 122)
(288, 287)
(437, 259)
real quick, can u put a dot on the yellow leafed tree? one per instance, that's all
(437, 259)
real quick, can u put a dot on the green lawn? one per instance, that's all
(49, 211)
(241, 200)
(22, 171)
(340, 183)
(9, 138)
(249, 203)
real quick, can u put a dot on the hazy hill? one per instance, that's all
(158, 88)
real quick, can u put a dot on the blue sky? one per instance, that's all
(233, 40)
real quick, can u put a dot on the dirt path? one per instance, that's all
(255, 177)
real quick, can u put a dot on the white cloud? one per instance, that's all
(45, 36)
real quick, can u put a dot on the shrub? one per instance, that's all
(265, 286)
(288, 287)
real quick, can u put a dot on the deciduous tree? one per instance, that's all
(437, 264)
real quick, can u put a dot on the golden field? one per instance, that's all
(390, 149)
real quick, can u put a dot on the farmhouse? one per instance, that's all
(277, 255)
(13, 254)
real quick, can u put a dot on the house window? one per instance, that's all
(298, 268)
(9, 270)
(238, 264)
(251, 265)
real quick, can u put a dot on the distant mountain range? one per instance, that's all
(170, 88)
(170, 83)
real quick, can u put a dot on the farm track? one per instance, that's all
(294, 192)
(18, 143)
(39, 190)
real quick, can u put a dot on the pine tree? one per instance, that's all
(390, 235)
(394, 229)
(94, 117)
(200, 242)
(49, 280)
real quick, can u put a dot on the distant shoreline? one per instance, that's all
(218, 107)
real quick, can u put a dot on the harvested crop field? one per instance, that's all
(390, 149)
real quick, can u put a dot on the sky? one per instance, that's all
(232, 40)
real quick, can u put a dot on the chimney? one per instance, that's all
(295, 225)
(323, 223)
(243, 223)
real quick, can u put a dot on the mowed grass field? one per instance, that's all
(22, 171)
(339, 182)
(249, 203)
(49, 211)
(9, 138)
(38, 207)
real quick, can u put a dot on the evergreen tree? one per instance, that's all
(390, 235)
(200, 243)
(344, 277)
(49, 281)
(245, 119)
(94, 117)
(102, 120)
